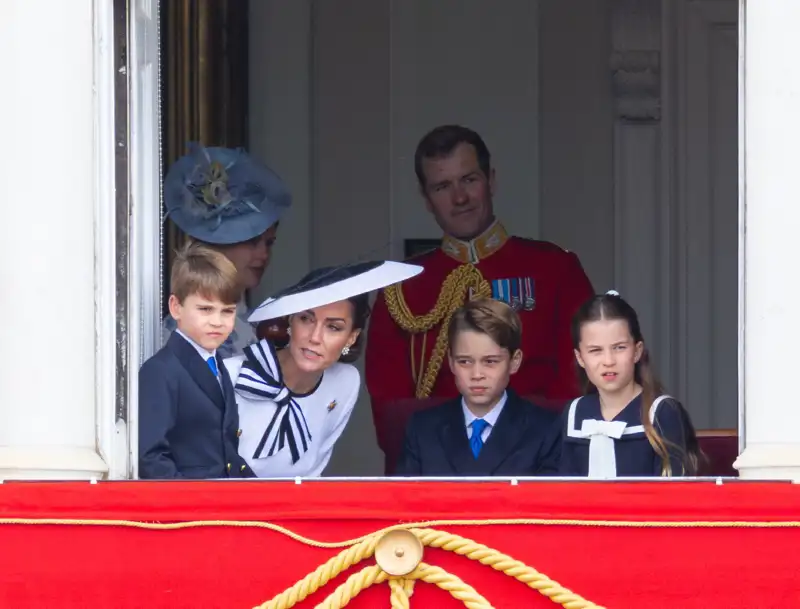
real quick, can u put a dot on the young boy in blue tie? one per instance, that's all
(188, 422)
(488, 430)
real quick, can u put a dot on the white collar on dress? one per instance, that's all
(602, 434)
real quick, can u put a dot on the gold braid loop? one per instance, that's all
(501, 562)
(402, 587)
(427, 573)
(323, 574)
(453, 294)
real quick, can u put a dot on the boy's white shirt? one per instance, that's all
(491, 416)
(204, 353)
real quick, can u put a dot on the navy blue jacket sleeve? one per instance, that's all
(669, 423)
(158, 410)
(550, 450)
(410, 463)
(566, 457)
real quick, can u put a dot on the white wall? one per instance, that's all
(707, 214)
(280, 123)
(576, 133)
(49, 398)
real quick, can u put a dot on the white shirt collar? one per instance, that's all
(491, 417)
(204, 353)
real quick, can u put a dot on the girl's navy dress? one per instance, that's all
(620, 447)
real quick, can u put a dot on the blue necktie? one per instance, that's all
(476, 440)
(212, 363)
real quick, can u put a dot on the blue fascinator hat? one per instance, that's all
(223, 196)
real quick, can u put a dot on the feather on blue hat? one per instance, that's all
(223, 196)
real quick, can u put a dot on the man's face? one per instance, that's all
(458, 193)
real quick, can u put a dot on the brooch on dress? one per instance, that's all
(332, 405)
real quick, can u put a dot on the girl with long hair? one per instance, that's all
(625, 424)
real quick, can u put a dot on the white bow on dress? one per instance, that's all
(602, 454)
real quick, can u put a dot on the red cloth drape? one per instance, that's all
(630, 565)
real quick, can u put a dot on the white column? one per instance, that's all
(770, 290)
(48, 427)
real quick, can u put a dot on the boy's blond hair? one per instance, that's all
(491, 317)
(200, 270)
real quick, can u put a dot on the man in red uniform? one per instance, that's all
(406, 356)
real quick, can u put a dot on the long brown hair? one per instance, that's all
(612, 307)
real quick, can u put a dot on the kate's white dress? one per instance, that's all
(284, 434)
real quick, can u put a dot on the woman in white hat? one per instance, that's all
(294, 403)
(231, 202)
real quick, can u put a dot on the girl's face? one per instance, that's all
(608, 354)
(319, 335)
(251, 258)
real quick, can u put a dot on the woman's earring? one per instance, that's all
(346, 350)
(289, 330)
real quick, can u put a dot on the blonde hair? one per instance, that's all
(198, 269)
(491, 317)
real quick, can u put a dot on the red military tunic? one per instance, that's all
(541, 275)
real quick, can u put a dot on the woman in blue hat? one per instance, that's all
(229, 201)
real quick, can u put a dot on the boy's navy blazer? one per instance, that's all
(525, 441)
(188, 421)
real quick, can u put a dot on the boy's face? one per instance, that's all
(207, 322)
(482, 369)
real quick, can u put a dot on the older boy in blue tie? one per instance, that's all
(488, 430)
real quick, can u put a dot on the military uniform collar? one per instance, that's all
(482, 246)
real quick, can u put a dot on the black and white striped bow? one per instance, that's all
(260, 378)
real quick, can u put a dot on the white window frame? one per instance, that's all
(742, 189)
(145, 238)
(111, 444)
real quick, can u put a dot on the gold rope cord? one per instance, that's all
(400, 598)
(453, 294)
(259, 524)
(402, 587)
(428, 573)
